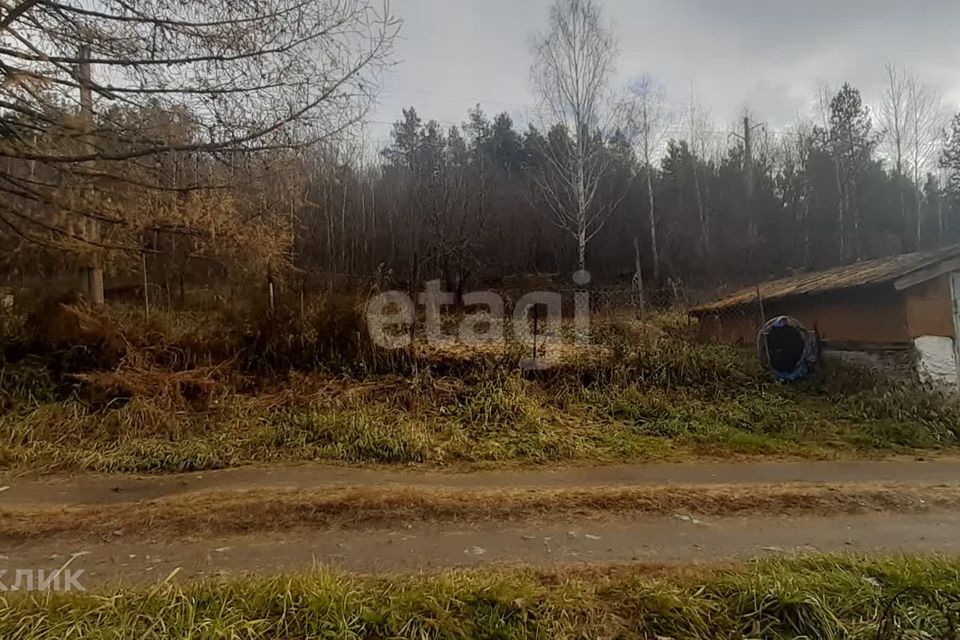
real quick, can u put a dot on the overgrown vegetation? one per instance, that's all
(111, 391)
(824, 597)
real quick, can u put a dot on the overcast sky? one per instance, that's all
(768, 54)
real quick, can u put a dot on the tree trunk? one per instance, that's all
(582, 249)
(841, 195)
(704, 225)
(638, 279)
(857, 238)
(903, 205)
(919, 204)
(91, 284)
(940, 221)
(343, 225)
(581, 211)
(653, 225)
(91, 275)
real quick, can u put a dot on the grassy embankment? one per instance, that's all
(815, 597)
(190, 391)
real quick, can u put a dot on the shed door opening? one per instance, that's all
(786, 346)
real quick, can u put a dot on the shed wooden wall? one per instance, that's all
(874, 314)
(733, 326)
(929, 308)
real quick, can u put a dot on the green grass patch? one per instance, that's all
(499, 417)
(134, 438)
(823, 597)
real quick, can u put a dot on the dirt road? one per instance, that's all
(107, 489)
(416, 547)
(873, 507)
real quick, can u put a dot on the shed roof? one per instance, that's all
(876, 271)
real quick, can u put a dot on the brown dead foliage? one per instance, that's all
(196, 389)
(73, 336)
(58, 323)
(233, 512)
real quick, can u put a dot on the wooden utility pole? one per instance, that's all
(747, 157)
(91, 275)
(747, 137)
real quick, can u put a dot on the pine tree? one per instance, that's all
(851, 143)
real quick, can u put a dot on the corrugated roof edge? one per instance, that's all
(850, 276)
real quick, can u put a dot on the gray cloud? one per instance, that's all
(768, 55)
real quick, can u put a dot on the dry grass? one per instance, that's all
(269, 389)
(231, 512)
(824, 597)
(198, 419)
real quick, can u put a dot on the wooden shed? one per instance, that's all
(904, 308)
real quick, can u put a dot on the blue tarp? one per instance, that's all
(801, 354)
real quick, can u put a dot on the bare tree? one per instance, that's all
(111, 107)
(574, 61)
(698, 123)
(893, 114)
(912, 118)
(649, 120)
(925, 122)
(895, 121)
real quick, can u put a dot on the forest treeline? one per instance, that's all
(465, 200)
(223, 144)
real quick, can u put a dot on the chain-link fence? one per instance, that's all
(674, 303)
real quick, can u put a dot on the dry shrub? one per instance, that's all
(327, 333)
(28, 382)
(66, 322)
(177, 340)
(196, 389)
(73, 337)
(298, 389)
(636, 332)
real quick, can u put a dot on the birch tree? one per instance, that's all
(925, 122)
(649, 121)
(698, 123)
(574, 61)
(912, 118)
(893, 114)
(895, 122)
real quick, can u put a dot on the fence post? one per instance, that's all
(270, 287)
(146, 285)
(638, 279)
(763, 315)
(414, 276)
(535, 318)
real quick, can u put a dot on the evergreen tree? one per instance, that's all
(851, 143)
